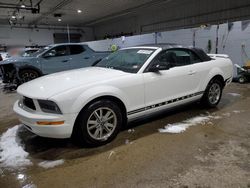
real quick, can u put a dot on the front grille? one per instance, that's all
(29, 103)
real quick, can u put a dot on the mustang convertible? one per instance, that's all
(92, 104)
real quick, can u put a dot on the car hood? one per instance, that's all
(17, 60)
(50, 85)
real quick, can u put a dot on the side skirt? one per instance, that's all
(164, 103)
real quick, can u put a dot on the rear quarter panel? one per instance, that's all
(217, 66)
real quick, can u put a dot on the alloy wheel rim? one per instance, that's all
(102, 123)
(27, 76)
(241, 80)
(214, 93)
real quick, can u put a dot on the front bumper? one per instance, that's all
(30, 119)
(8, 72)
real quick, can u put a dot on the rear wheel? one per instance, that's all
(213, 93)
(242, 80)
(98, 124)
(27, 75)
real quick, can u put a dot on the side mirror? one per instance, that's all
(158, 67)
(153, 69)
(48, 55)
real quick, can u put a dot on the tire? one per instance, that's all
(242, 80)
(27, 75)
(93, 129)
(213, 92)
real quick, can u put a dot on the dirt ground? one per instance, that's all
(215, 154)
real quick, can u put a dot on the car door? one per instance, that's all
(56, 59)
(80, 57)
(175, 78)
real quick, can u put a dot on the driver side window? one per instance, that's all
(57, 51)
(165, 60)
(173, 58)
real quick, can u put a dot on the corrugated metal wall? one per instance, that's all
(177, 14)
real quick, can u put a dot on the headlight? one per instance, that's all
(49, 107)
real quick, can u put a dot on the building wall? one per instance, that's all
(41, 36)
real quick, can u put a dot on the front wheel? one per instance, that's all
(27, 75)
(98, 124)
(213, 92)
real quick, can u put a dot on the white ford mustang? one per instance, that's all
(92, 104)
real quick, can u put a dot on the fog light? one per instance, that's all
(50, 123)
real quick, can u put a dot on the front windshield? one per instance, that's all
(127, 60)
(40, 51)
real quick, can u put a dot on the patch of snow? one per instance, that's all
(30, 185)
(215, 117)
(11, 152)
(226, 114)
(210, 123)
(1, 84)
(50, 164)
(178, 128)
(110, 154)
(128, 142)
(234, 94)
(21, 177)
(238, 111)
(182, 126)
(131, 130)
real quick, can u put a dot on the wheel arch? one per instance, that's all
(118, 101)
(220, 78)
(94, 94)
(215, 73)
(29, 67)
(205, 98)
(112, 98)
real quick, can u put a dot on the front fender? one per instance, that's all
(28, 66)
(96, 92)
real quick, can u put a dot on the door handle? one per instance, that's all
(86, 57)
(64, 61)
(191, 72)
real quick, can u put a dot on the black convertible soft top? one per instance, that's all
(165, 46)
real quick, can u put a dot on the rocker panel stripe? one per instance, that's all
(164, 103)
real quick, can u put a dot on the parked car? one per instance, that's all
(243, 74)
(92, 104)
(4, 55)
(50, 59)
